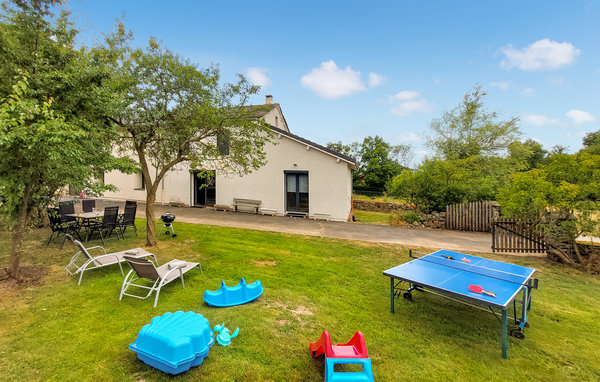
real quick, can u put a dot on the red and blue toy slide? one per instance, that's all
(352, 352)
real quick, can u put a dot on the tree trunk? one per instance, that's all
(17, 237)
(150, 220)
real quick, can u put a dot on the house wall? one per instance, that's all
(329, 181)
(275, 118)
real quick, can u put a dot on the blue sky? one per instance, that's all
(343, 70)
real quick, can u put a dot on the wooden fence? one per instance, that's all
(510, 236)
(472, 216)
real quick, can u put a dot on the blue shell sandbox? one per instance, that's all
(174, 342)
(235, 295)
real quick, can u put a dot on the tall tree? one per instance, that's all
(379, 161)
(52, 129)
(172, 112)
(469, 129)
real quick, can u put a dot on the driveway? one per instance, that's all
(416, 237)
(435, 239)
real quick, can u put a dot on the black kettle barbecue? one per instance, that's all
(168, 219)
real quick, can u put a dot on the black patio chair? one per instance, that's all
(65, 209)
(128, 219)
(58, 226)
(108, 225)
(130, 202)
(88, 205)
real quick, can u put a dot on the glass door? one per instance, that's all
(296, 191)
(205, 190)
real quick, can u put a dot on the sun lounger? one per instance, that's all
(142, 268)
(84, 261)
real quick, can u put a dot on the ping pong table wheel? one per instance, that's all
(407, 295)
(517, 333)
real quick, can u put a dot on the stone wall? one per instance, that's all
(433, 220)
(376, 206)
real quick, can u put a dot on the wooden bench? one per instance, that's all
(250, 203)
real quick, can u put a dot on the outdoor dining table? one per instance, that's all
(86, 217)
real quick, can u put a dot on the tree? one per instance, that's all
(172, 112)
(378, 161)
(436, 183)
(350, 150)
(560, 198)
(469, 129)
(527, 155)
(52, 132)
(591, 143)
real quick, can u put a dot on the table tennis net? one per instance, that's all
(457, 263)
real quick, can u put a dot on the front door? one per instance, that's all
(296, 191)
(205, 190)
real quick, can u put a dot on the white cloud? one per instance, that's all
(578, 116)
(408, 102)
(538, 120)
(541, 55)
(408, 137)
(405, 95)
(376, 80)
(528, 92)
(330, 82)
(407, 108)
(437, 81)
(258, 76)
(502, 85)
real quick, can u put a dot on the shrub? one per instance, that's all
(409, 217)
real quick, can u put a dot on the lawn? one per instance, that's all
(378, 198)
(372, 217)
(56, 330)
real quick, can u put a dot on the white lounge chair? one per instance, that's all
(84, 261)
(142, 268)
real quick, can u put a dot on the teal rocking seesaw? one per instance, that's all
(235, 295)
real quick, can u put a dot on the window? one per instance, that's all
(222, 144)
(276, 121)
(140, 182)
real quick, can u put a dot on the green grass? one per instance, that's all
(370, 217)
(59, 331)
(379, 198)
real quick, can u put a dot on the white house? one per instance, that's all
(300, 178)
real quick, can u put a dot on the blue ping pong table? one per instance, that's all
(449, 274)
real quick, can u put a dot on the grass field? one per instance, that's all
(371, 217)
(378, 198)
(56, 330)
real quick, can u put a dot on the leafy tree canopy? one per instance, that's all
(469, 129)
(561, 198)
(170, 111)
(53, 99)
(378, 161)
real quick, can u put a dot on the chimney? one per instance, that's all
(268, 100)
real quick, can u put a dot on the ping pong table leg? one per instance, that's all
(525, 304)
(392, 294)
(504, 334)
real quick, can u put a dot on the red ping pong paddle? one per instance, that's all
(479, 289)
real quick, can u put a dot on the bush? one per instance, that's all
(409, 217)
